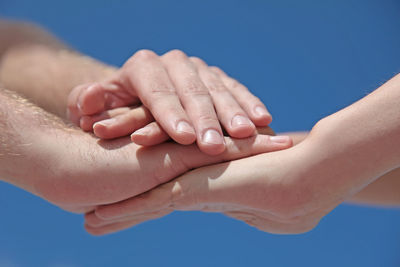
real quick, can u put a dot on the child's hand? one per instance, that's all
(186, 97)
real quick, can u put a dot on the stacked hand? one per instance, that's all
(282, 192)
(187, 98)
(120, 183)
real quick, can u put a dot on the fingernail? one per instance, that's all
(184, 127)
(142, 131)
(107, 122)
(240, 120)
(280, 139)
(260, 111)
(213, 137)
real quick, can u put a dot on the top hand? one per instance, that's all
(180, 92)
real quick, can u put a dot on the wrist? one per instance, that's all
(339, 159)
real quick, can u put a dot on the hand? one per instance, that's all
(77, 172)
(180, 92)
(287, 191)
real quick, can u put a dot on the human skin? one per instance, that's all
(61, 163)
(40, 67)
(57, 70)
(187, 98)
(43, 69)
(287, 191)
(76, 171)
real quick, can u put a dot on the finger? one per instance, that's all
(230, 113)
(256, 110)
(146, 74)
(264, 222)
(92, 220)
(150, 135)
(123, 124)
(109, 229)
(73, 112)
(118, 226)
(163, 196)
(196, 101)
(99, 97)
(87, 122)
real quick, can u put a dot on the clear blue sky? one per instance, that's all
(304, 59)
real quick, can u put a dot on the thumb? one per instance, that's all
(99, 97)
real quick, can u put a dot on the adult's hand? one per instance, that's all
(283, 192)
(76, 171)
(286, 191)
(270, 191)
(186, 97)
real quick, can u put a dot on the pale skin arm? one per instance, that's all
(287, 191)
(383, 192)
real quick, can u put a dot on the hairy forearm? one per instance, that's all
(20, 123)
(41, 68)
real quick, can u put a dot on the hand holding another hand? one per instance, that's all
(187, 98)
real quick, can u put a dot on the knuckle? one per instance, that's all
(198, 61)
(216, 87)
(216, 70)
(157, 94)
(208, 119)
(157, 89)
(194, 87)
(143, 54)
(176, 54)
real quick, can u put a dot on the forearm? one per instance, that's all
(383, 191)
(38, 66)
(355, 146)
(21, 123)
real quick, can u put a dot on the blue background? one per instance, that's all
(304, 59)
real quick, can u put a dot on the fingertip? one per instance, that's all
(103, 213)
(185, 133)
(241, 127)
(141, 136)
(93, 230)
(212, 142)
(281, 141)
(86, 124)
(100, 129)
(261, 116)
